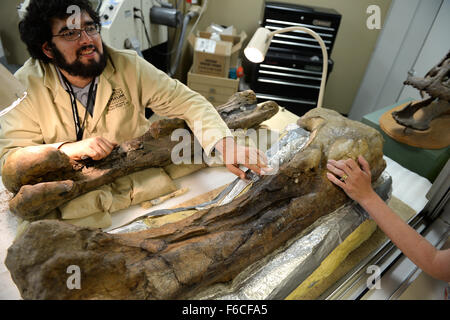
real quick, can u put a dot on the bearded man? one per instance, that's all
(85, 97)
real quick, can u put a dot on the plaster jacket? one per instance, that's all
(127, 86)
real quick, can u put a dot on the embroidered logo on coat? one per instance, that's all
(117, 100)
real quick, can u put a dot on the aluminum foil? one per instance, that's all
(292, 140)
(277, 275)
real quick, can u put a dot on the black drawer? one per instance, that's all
(323, 21)
(308, 68)
(297, 41)
(289, 75)
(287, 88)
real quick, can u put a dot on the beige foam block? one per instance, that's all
(150, 184)
(334, 259)
(176, 171)
(121, 189)
(96, 220)
(87, 204)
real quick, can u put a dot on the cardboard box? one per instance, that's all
(215, 57)
(216, 90)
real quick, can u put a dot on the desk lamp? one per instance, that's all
(259, 44)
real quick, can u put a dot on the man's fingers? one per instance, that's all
(254, 158)
(96, 153)
(100, 148)
(263, 158)
(106, 146)
(254, 168)
(234, 169)
(105, 143)
(95, 148)
(267, 170)
(109, 145)
(113, 144)
(257, 162)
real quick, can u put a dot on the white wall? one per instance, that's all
(415, 37)
(435, 48)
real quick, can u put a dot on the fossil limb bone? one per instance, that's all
(43, 178)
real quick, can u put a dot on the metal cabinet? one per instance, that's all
(292, 69)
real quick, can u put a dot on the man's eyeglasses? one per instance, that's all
(75, 34)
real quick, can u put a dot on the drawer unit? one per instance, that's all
(290, 75)
(323, 21)
(293, 79)
(292, 70)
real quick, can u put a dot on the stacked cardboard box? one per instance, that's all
(213, 59)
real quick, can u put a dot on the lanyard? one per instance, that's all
(90, 101)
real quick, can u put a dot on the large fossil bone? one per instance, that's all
(436, 84)
(178, 260)
(43, 178)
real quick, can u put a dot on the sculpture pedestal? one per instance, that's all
(425, 162)
(436, 137)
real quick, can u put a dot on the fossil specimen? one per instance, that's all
(43, 178)
(178, 260)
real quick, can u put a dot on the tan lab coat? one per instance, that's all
(127, 86)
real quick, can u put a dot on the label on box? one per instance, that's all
(205, 45)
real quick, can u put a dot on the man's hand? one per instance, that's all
(96, 148)
(233, 155)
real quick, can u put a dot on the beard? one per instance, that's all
(78, 68)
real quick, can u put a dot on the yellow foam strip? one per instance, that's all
(334, 259)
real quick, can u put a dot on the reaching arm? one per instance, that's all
(234, 154)
(169, 97)
(357, 185)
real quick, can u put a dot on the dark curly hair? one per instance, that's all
(35, 28)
